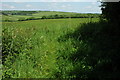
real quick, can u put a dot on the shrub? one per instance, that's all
(12, 46)
(43, 17)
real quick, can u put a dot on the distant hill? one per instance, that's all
(33, 15)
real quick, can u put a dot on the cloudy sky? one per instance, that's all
(50, 0)
(80, 6)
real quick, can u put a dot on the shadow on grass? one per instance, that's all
(98, 55)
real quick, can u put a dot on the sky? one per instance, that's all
(58, 0)
(49, 0)
(53, 5)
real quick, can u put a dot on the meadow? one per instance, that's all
(12, 16)
(38, 48)
(61, 45)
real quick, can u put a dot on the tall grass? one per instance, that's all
(33, 49)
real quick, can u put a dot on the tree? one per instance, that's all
(110, 11)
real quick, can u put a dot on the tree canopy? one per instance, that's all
(111, 11)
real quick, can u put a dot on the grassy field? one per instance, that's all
(10, 16)
(47, 13)
(32, 49)
(36, 15)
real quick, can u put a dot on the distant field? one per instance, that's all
(48, 13)
(34, 48)
(11, 16)
(14, 17)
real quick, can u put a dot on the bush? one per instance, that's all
(44, 17)
(12, 46)
(31, 18)
(97, 51)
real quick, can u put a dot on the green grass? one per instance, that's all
(40, 14)
(48, 13)
(36, 15)
(14, 17)
(34, 49)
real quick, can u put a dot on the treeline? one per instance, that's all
(56, 16)
(17, 12)
(71, 16)
(110, 11)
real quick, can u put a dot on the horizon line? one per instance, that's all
(51, 10)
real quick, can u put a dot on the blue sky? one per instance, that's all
(50, 0)
(80, 7)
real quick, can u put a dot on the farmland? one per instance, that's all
(12, 16)
(37, 48)
(60, 45)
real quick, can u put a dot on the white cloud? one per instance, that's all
(88, 7)
(93, 3)
(0, 6)
(63, 6)
(91, 8)
(6, 6)
(70, 0)
(53, 4)
(19, 2)
(28, 5)
(12, 7)
(49, 0)
(68, 5)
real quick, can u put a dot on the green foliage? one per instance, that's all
(31, 48)
(18, 12)
(57, 16)
(13, 44)
(110, 11)
(96, 51)
(21, 19)
(43, 17)
(11, 16)
(31, 18)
